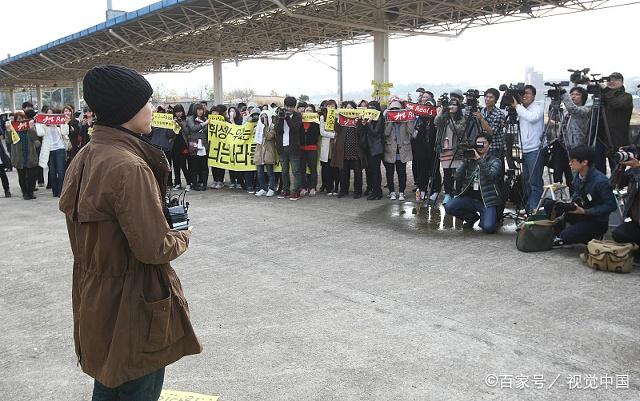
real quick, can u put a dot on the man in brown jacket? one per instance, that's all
(131, 318)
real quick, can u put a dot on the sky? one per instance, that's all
(485, 56)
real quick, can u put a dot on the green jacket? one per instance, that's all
(17, 149)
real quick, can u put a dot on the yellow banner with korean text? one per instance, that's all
(231, 146)
(165, 120)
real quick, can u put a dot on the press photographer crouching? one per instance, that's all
(630, 178)
(591, 202)
(481, 175)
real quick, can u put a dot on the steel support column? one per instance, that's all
(381, 57)
(340, 84)
(76, 94)
(218, 94)
(12, 99)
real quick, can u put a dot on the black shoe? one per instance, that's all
(35, 189)
(32, 196)
(469, 224)
(357, 196)
(557, 241)
(7, 194)
(48, 186)
(341, 195)
(367, 192)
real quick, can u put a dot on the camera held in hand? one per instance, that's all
(561, 208)
(469, 149)
(584, 77)
(443, 100)
(625, 154)
(284, 113)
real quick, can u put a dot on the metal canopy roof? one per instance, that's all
(175, 35)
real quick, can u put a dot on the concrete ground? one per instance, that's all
(338, 299)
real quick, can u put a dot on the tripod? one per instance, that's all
(553, 142)
(514, 182)
(594, 125)
(438, 146)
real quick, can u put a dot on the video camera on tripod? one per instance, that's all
(555, 94)
(511, 91)
(472, 96)
(583, 77)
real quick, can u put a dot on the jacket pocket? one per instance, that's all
(162, 324)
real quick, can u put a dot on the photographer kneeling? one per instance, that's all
(591, 202)
(482, 176)
(630, 230)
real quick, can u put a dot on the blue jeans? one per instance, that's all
(288, 160)
(57, 165)
(272, 179)
(248, 180)
(467, 208)
(532, 170)
(145, 388)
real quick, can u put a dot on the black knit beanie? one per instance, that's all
(115, 93)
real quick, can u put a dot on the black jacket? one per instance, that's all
(491, 173)
(618, 106)
(595, 194)
(295, 126)
(370, 136)
(310, 136)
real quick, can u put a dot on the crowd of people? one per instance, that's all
(458, 152)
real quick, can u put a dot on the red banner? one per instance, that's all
(346, 121)
(424, 110)
(51, 119)
(400, 115)
(20, 125)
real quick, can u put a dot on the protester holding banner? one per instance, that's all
(217, 173)
(234, 116)
(309, 137)
(288, 127)
(250, 175)
(265, 153)
(53, 152)
(24, 156)
(451, 125)
(163, 138)
(397, 150)
(180, 150)
(425, 163)
(371, 132)
(330, 174)
(197, 125)
(348, 154)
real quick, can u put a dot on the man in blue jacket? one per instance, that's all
(591, 202)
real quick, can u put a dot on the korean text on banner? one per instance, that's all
(231, 146)
(163, 120)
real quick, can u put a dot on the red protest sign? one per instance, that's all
(346, 121)
(51, 119)
(20, 125)
(424, 110)
(400, 115)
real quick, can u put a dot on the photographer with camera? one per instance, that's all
(591, 202)
(531, 116)
(574, 132)
(630, 230)
(491, 118)
(618, 106)
(481, 177)
(451, 125)
(288, 130)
